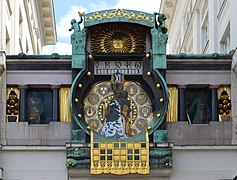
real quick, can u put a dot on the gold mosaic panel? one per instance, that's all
(119, 157)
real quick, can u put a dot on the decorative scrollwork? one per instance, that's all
(119, 13)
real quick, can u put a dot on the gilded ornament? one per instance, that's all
(79, 115)
(224, 103)
(148, 73)
(88, 127)
(141, 99)
(81, 13)
(149, 128)
(88, 73)
(93, 98)
(147, 55)
(120, 13)
(158, 115)
(117, 39)
(90, 57)
(145, 111)
(12, 106)
(80, 85)
(76, 100)
(158, 85)
(161, 100)
(89, 111)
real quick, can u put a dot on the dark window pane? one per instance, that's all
(116, 145)
(102, 151)
(143, 145)
(136, 151)
(109, 151)
(96, 145)
(123, 145)
(198, 104)
(39, 106)
(136, 158)
(109, 158)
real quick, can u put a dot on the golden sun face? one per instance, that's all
(118, 44)
(117, 39)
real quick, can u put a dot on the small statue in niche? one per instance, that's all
(35, 109)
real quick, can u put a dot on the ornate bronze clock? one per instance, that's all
(94, 92)
(119, 97)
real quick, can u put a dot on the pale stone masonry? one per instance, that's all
(205, 26)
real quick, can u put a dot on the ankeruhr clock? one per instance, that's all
(119, 96)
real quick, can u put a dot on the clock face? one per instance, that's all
(117, 114)
(119, 106)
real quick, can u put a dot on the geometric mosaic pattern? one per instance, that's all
(120, 157)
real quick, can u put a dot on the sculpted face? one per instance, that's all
(117, 43)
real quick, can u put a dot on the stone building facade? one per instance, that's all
(26, 26)
(206, 26)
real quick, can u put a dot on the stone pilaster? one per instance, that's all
(234, 98)
(23, 103)
(214, 101)
(182, 103)
(55, 102)
(3, 98)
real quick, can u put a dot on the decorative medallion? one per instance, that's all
(114, 114)
(118, 39)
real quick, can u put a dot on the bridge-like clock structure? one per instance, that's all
(119, 96)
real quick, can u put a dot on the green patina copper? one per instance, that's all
(26, 56)
(159, 40)
(161, 157)
(78, 41)
(160, 136)
(200, 56)
(78, 136)
(78, 157)
(119, 15)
